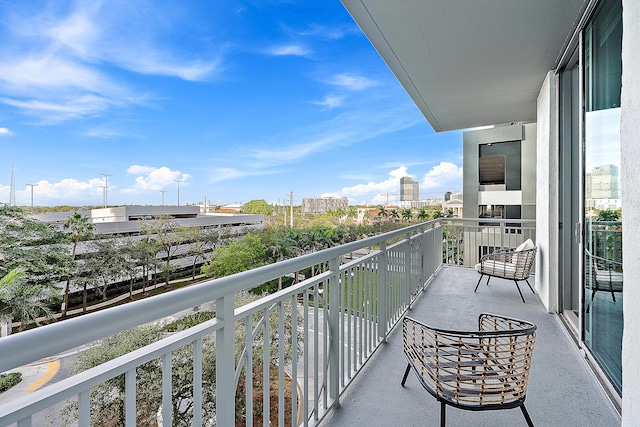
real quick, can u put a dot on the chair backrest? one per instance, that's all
(509, 264)
(523, 261)
(487, 368)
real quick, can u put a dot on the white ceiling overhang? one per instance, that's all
(469, 63)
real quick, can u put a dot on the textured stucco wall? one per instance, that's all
(630, 174)
(547, 194)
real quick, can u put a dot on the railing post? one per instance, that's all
(408, 286)
(437, 243)
(425, 257)
(383, 292)
(502, 234)
(335, 292)
(225, 364)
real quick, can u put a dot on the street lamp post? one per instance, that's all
(178, 181)
(163, 191)
(32, 185)
(106, 186)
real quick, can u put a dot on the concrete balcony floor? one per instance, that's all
(562, 390)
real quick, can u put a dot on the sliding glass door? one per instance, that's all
(603, 283)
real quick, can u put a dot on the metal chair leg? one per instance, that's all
(478, 284)
(406, 373)
(527, 280)
(526, 416)
(443, 414)
(519, 291)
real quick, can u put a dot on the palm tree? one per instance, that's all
(366, 217)
(21, 300)
(608, 215)
(382, 212)
(423, 215)
(407, 214)
(394, 215)
(80, 229)
(352, 213)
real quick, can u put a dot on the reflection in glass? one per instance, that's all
(603, 296)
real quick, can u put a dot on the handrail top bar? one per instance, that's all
(45, 341)
(530, 328)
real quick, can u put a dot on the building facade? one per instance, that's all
(568, 69)
(409, 189)
(322, 205)
(499, 172)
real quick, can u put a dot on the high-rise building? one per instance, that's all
(602, 183)
(321, 205)
(409, 189)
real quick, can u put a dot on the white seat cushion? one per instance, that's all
(498, 268)
(526, 245)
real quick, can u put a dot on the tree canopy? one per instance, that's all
(33, 246)
(256, 207)
(239, 255)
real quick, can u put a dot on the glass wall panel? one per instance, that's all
(602, 193)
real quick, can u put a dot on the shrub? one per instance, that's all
(190, 321)
(9, 380)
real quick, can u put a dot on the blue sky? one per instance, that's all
(240, 100)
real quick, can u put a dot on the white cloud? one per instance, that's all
(64, 109)
(330, 33)
(5, 131)
(345, 129)
(66, 189)
(291, 49)
(377, 191)
(153, 179)
(52, 63)
(441, 178)
(441, 175)
(330, 102)
(223, 174)
(351, 82)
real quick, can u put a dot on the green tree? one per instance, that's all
(407, 215)
(608, 215)
(165, 230)
(352, 213)
(200, 241)
(382, 213)
(395, 215)
(240, 255)
(437, 213)
(35, 247)
(423, 215)
(23, 301)
(103, 264)
(366, 217)
(256, 207)
(79, 228)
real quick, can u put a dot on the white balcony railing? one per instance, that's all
(331, 323)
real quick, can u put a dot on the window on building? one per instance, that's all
(491, 170)
(500, 163)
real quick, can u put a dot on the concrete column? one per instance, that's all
(547, 194)
(630, 180)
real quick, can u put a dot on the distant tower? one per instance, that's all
(12, 194)
(409, 189)
(447, 196)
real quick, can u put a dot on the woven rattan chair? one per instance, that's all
(512, 264)
(483, 370)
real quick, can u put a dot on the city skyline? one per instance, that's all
(241, 101)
